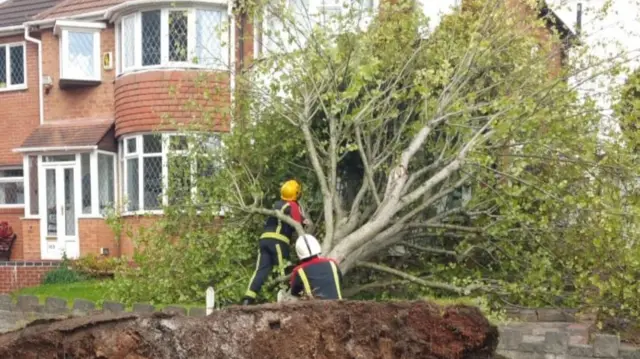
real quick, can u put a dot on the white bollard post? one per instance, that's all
(211, 300)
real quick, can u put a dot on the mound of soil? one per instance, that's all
(312, 329)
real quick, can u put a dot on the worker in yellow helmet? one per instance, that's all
(276, 238)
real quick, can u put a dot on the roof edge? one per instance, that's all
(53, 148)
(10, 30)
(112, 12)
(93, 15)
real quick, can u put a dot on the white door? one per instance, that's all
(60, 216)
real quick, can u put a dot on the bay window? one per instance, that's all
(159, 169)
(11, 187)
(174, 37)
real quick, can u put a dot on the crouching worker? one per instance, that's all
(274, 242)
(315, 277)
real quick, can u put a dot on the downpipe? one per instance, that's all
(28, 37)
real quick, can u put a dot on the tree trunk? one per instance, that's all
(307, 329)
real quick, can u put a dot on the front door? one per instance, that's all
(60, 218)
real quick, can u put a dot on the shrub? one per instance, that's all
(95, 266)
(63, 274)
(174, 268)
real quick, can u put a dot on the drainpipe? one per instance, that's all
(579, 20)
(40, 90)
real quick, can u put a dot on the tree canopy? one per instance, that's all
(458, 161)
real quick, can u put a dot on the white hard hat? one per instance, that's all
(307, 246)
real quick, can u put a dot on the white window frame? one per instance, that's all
(164, 40)
(14, 180)
(62, 29)
(140, 155)
(95, 188)
(6, 48)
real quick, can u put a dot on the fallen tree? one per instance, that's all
(318, 329)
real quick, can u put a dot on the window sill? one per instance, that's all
(143, 213)
(14, 88)
(172, 67)
(75, 83)
(90, 216)
(11, 206)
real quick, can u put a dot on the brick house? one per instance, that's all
(84, 85)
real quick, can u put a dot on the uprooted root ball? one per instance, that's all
(314, 329)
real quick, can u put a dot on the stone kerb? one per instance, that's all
(557, 345)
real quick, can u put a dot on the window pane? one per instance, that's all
(133, 195)
(178, 36)
(106, 177)
(3, 66)
(85, 171)
(69, 203)
(151, 38)
(12, 173)
(152, 182)
(52, 203)
(152, 143)
(178, 143)
(128, 41)
(132, 145)
(60, 158)
(80, 64)
(179, 179)
(12, 193)
(209, 39)
(33, 185)
(17, 65)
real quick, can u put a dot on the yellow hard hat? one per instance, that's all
(290, 190)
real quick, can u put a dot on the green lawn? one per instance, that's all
(92, 290)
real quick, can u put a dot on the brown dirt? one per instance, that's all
(316, 329)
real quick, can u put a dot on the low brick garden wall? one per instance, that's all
(15, 275)
(557, 345)
(16, 313)
(555, 333)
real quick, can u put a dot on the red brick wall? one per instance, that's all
(31, 239)
(95, 234)
(18, 275)
(85, 102)
(20, 109)
(142, 99)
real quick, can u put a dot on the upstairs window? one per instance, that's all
(13, 67)
(79, 51)
(175, 37)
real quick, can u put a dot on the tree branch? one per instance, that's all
(269, 212)
(432, 249)
(425, 283)
(452, 227)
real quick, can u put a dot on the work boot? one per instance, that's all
(248, 301)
